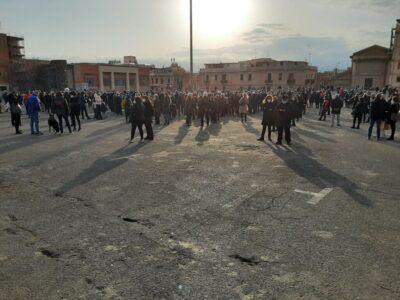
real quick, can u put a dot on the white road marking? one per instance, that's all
(317, 197)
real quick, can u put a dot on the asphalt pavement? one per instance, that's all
(199, 213)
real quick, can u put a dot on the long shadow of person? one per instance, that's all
(99, 167)
(182, 132)
(304, 165)
(202, 136)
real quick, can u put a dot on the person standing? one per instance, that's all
(244, 107)
(75, 109)
(83, 101)
(377, 114)
(148, 118)
(268, 106)
(393, 115)
(16, 111)
(336, 107)
(61, 109)
(137, 117)
(283, 120)
(33, 109)
(357, 112)
(97, 104)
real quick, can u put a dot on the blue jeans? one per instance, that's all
(371, 127)
(34, 123)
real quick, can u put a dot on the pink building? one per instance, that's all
(257, 73)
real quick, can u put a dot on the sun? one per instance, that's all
(217, 18)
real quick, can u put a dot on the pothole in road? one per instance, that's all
(252, 261)
(49, 253)
(145, 223)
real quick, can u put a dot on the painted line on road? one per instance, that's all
(317, 197)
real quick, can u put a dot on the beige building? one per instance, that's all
(377, 66)
(167, 79)
(104, 77)
(255, 74)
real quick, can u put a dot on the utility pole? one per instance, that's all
(191, 45)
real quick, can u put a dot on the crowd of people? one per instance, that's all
(280, 109)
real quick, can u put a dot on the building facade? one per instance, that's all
(11, 49)
(168, 78)
(334, 79)
(377, 66)
(255, 74)
(104, 77)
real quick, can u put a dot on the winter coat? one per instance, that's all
(243, 105)
(269, 112)
(33, 105)
(336, 106)
(283, 114)
(137, 113)
(378, 109)
(60, 106)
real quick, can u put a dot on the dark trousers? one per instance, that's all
(378, 128)
(75, 118)
(97, 112)
(393, 128)
(16, 121)
(264, 129)
(60, 118)
(243, 117)
(84, 112)
(149, 129)
(205, 116)
(358, 120)
(287, 133)
(138, 125)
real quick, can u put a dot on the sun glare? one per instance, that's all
(217, 18)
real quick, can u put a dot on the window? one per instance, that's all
(216, 77)
(162, 80)
(224, 77)
(156, 80)
(241, 77)
(280, 76)
(207, 78)
(169, 80)
(250, 77)
(398, 78)
(269, 77)
(368, 83)
(152, 80)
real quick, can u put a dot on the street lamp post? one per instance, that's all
(191, 45)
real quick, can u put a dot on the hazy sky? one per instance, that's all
(225, 30)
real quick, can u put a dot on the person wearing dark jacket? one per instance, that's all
(268, 107)
(137, 117)
(393, 115)
(83, 102)
(75, 110)
(336, 107)
(16, 112)
(283, 119)
(61, 109)
(377, 115)
(357, 112)
(148, 118)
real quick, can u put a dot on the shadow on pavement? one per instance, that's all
(182, 132)
(302, 163)
(99, 167)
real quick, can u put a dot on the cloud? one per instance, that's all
(377, 5)
(326, 52)
(256, 35)
(273, 26)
